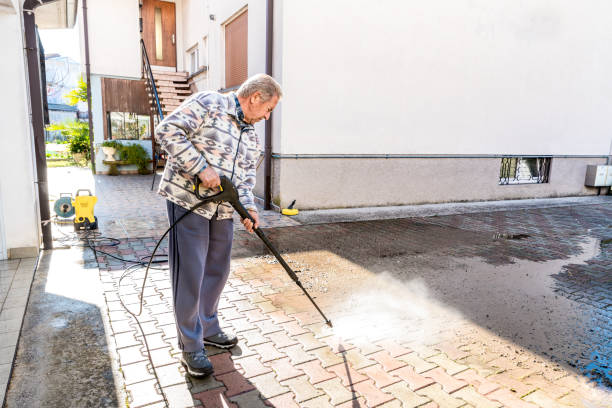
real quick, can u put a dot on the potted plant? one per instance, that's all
(79, 144)
(110, 147)
(135, 154)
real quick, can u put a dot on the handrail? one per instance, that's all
(160, 114)
(147, 67)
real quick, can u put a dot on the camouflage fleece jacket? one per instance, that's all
(208, 129)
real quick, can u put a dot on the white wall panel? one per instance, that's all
(436, 77)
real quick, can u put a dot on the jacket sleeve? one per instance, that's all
(245, 188)
(173, 134)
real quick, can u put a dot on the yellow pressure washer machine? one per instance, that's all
(84, 218)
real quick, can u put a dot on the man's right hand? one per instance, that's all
(209, 177)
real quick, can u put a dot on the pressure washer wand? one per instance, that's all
(230, 194)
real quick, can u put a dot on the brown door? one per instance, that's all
(236, 47)
(159, 32)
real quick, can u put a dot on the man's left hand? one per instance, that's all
(248, 224)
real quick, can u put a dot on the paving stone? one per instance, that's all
(255, 315)
(315, 372)
(268, 326)
(268, 386)
(130, 355)
(449, 365)
(252, 366)
(366, 347)
(318, 402)
(451, 350)
(278, 316)
(347, 374)
(471, 396)
(214, 399)
(336, 391)
(416, 362)
(327, 358)
(302, 389)
(254, 337)
(408, 398)
(222, 363)
(373, 396)
(540, 398)
(136, 372)
(284, 370)
(249, 399)
(386, 361)
(199, 385)
(293, 328)
(320, 330)
(243, 305)
(440, 397)
(393, 348)
(415, 381)
(380, 376)
(282, 401)
(306, 318)
(154, 341)
(235, 383)
(297, 355)
(161, 356)
(280, 339)
(448, 382)
(308, 341)
(515, 386)
(554, 390)
(256, 298)
(481, 384)
(179, 396)
(240, 325)
(337, 344)
(422, 350)
(231, 313)
(143, 393)
(509, 399)
(358, 403)
(241, 350)
(170, 374)
(267, 352)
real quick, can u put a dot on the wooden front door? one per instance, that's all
(159, 32)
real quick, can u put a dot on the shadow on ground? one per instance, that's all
(63, 358)
(539, 278)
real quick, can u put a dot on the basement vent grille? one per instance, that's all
(524, 170)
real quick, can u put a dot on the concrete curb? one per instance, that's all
(432, 210)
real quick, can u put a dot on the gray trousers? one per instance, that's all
(199, 256)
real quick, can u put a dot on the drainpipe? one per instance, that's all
(38, 128)
(268, 148)
(88, 79)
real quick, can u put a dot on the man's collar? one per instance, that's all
(239, 113)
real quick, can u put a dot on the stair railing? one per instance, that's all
(148, 76)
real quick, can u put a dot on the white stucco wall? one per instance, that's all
(19, 217)
(114, 37)
(439, 77)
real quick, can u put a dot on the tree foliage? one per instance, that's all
(78, 94)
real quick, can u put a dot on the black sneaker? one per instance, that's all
(196, 363)
(221, 340)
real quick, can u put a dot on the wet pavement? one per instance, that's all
(497, 308)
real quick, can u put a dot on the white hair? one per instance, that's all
(262, 83)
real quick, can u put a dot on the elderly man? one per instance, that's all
(209, 135)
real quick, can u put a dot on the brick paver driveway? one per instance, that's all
(508, 308)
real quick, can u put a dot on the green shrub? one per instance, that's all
(77, 133)
(134, 154)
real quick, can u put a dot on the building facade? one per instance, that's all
(390, 103)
